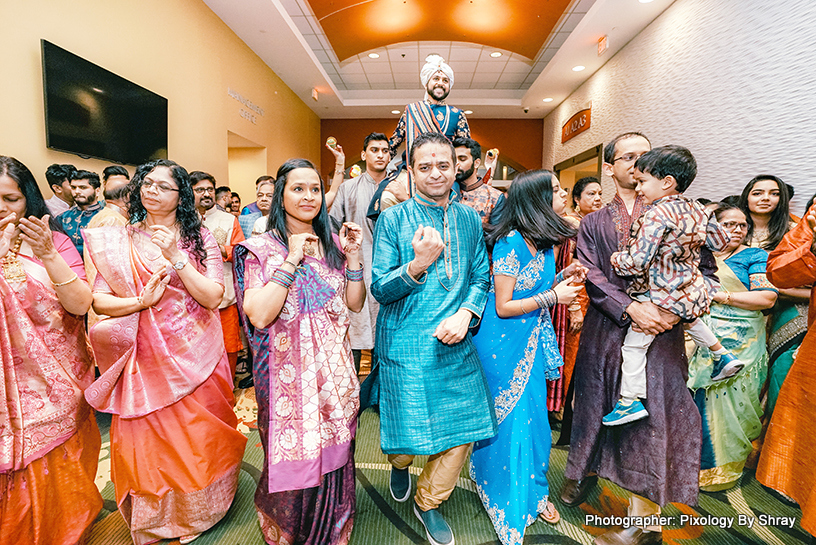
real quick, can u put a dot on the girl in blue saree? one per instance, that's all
(519, 351)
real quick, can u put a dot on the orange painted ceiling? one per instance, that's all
(520, 26)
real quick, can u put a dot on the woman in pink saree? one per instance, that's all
(175, 450)
(49, 442)
(295, 286)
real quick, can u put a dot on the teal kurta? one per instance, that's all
(432, 396)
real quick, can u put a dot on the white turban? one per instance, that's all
(434, 64)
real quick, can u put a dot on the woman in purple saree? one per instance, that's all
(295, 286)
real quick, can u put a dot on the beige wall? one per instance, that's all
(176, 48)
(732, 80)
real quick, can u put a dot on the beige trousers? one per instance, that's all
(438, 478)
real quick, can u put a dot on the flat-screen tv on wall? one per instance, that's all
(92, 112)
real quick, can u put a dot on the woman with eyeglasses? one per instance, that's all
(766, 201)
(175, 450)
(49, 440)
(730, 409)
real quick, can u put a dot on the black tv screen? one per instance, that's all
(95, 113)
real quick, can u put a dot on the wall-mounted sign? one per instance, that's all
(576, 124)
(251, 109)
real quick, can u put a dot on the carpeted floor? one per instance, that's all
(382, 521)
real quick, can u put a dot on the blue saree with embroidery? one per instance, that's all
(519, 355)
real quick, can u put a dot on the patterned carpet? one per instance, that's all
(382, 521)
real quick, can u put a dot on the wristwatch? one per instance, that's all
(181, 263)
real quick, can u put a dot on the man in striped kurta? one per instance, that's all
(430, 275)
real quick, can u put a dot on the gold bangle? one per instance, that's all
(727, 298)
(74, 279)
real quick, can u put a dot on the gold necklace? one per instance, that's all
(13, 270)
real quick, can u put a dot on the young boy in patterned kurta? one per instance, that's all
(663, 256)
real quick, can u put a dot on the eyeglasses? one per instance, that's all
(160, 187)
(627, 158)
(734, 225)
(202, 190)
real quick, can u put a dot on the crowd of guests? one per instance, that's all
(471, 303)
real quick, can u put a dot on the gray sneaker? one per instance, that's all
(400, 484)
(437, 530)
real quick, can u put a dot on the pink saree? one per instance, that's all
(175, 453)
(49, 442)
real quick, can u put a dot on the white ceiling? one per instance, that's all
(290, 40)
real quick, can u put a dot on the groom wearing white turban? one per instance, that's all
(431, 114)
(428, 115)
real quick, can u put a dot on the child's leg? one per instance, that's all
(633, 369)
(703, 336)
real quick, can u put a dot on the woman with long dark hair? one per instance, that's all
(49, 441)
(765, 200)
(165, 375)
(519, 351)
(295, 284)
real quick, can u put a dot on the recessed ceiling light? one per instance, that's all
(645, 1)
(578, 68)
(548, 99)
(374, 55)
(468, 112)
(396, 112)
(496, 54)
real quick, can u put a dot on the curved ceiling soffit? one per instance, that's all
(355, 26)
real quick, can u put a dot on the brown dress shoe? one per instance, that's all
(575, 492)
(629, 536)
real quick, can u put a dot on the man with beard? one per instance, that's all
(224, 227)
(86, 205)
(431, 114)
(474, 192)
(351, 204)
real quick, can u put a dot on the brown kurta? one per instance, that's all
(657, 457)
(789, 453)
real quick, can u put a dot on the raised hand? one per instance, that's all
(37, 234)
(427, 244)
(167, 242)
(154, 289)
(7, 225)
(299, 244)
(351, 236)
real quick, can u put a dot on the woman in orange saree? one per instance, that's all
(49, 442)
(789, 453)
(175, 452)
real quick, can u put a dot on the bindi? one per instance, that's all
(433, 155)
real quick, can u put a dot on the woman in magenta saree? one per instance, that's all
(175, 452)
(49, 442)
(294, 297)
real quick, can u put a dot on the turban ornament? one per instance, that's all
(434, 64)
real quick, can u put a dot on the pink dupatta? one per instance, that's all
(46, 365)
(152, 358)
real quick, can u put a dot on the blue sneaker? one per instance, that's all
(624, 413)
(437, 530)
(400, 484)
(726, 366)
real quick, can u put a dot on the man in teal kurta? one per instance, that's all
(430, 275)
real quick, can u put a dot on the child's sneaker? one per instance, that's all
(726, 366)
(624, 412)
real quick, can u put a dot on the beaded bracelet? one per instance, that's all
(282, 277)
(74, 279)
(354, 276)
(546, 299)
